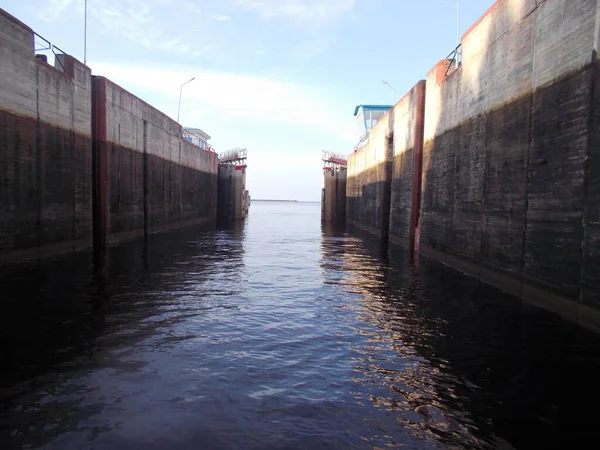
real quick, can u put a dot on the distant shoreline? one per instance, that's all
(284, 201)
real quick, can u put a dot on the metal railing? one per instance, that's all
(331, 159)
(232, 157)
(207, 147)
(364, 138)
(48, 46)
(455, 59)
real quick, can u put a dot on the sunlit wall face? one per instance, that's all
(195, 140)
(366, 118)
(360, 123)
(373, 117)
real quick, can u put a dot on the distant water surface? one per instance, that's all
(280, 334)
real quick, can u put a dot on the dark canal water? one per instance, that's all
(278, 334)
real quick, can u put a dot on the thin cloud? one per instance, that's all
(156, 24)
(237, 97)
(220, 17)
(137, 20)
(299, 11)
(54, 9)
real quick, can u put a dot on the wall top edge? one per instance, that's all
(114, 85)
(16, 21)
(420, 84)
(481, 18)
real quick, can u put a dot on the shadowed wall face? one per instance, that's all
(510, 175)
(231, 202)
(384, 176)
(409, 115)
(368, 185)
(149, 179)
(45, 149)
(82, 158)
(333, 203)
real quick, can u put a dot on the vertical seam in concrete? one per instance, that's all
(529, 144)
(38, 162)
(387, 190)
(165, 167)
(453, 202)
(334, 211)
(99, 169)
(74, 186)
(388, 158)
(586, 173)
(526, 210)
(419, 143)
(179, 182)
(483, 196)
(74, 151)
(145, 177)
(119, 155)
(596, 28)
(230, 210)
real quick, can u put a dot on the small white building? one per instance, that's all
(197, 137)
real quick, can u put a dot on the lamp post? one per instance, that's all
(457, 23)
(393, 90)
(85, 32)
(180, 91)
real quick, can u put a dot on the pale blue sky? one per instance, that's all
(279, 77)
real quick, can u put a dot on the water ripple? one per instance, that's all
(280, 334)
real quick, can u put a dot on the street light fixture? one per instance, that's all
(85, 32)
(457, 23)
(180, 91)
(393, 90)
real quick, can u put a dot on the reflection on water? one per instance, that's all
(280, 334)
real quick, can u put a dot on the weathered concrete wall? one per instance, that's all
(45, 149)
(368, 188)
(384, 175)
(510, 172)
(232, 203)
(409, 115)
(147, 178)
(246, 201)
(333, 201)
(240, 193)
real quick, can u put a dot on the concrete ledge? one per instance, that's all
(37, 253)
(139, 232)
(178, 225)
(536, 296)
(569, 309)
(589, 318)
(402, 242)
(46, 251)
(511, 285)
(455, 262)
(363, 227)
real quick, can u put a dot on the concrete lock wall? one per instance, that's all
(45, 149)
(149, 178)
(408, 114)
(83, 161)
(333, 197)
(233, 199)
(511, 170)
(510, 186)
(368, 182)
(247, 201)
(384, 175)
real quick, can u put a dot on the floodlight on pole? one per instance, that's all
(180, 91)
(85, 32)
(457, 23)
(393, 90)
